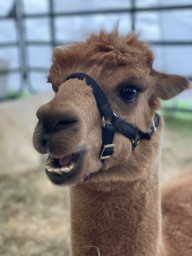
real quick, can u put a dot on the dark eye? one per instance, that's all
(128, 93)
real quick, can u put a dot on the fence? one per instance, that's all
(18, 15)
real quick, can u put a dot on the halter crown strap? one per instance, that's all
(111, 122)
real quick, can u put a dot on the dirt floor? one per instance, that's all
(34, 214)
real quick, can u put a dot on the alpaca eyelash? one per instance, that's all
(130, 86)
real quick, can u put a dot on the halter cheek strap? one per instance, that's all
(111, 122)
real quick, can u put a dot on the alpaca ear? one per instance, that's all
(169, 86)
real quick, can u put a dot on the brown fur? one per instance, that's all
(177, 214)
(117, 211)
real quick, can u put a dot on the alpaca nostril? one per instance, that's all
(55, 118)
(62, 124)
(44, 141)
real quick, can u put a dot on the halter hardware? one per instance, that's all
(111, 123)
(107, 151)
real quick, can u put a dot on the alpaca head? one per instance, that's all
(70, 125)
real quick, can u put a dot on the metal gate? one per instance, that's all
(20, 18)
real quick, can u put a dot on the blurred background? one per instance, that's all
(31, 29)
(32, 209)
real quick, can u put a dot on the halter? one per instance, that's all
(111, 122)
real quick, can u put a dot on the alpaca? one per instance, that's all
(107, 148)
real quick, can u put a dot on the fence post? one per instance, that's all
(4, 66)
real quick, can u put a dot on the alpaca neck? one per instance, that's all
(123, 220)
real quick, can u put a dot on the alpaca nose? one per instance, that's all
(56, 119)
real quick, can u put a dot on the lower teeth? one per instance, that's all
(60, 171)
(67, 168)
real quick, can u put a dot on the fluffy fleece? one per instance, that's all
(117, 211)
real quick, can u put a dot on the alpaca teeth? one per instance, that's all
(60, 171)
(53, 170)
(49, 169)
(67, 168)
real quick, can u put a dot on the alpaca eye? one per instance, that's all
(128, 93)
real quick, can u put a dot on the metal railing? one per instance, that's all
(17, 14)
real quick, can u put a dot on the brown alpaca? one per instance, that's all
(115, 202)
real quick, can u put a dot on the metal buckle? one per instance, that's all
(135, 142)
(104, 120)
(153, 125)
(102, 157)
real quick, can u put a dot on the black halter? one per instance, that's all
(111, 122)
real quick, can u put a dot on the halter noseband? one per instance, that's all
(111, 122)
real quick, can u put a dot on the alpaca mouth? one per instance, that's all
(59, 170)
